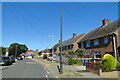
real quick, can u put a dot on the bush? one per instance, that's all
(75, 61)
(118, 66)
(32, 55)
(45, 56)
(80, 62)
(108, 63)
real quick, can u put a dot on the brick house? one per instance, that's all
(103, 40)
(70, 44)
(56, 48)
(29, 53)
(47, 51)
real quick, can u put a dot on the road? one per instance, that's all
(26, 68)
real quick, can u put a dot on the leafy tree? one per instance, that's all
(71, 53)
(40, 53)
(17, 48)
(23, 48)
(2, 51)
(80, 52)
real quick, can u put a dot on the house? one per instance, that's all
(47, 51)
(29, 53)
(56, 48)
(103, 40)
(70, 44)
(6, 51)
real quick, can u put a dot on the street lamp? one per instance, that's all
(53, 43)
(61, 65)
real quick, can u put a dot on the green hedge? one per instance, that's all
(72, 61)
(45, 56)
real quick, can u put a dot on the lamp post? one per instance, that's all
(53, 43)
(61, 65)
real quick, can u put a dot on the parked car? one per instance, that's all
(54, 58)
(13, 59)
(49, 58)
(5, 60)
(19, 58)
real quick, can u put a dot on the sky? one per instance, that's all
(30, 23)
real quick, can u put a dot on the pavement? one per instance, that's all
(75, 69)
(26, 68)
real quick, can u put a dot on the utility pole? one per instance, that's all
(61, 64)
(15, 51)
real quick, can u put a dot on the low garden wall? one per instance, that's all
(93, 67)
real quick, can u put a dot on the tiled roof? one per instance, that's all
(73, 40)
(56, 45)
(102, 31)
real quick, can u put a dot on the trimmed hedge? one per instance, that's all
(72, 61)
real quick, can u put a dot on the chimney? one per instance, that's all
(74, 35)
(105, 22)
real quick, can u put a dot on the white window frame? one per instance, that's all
(97, 53)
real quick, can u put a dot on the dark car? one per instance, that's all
(7, 58)
(13, 59)
(19, 58)
(4, 62)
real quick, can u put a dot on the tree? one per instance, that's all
(23, 48)
(2, 51)
(17, 48)
(71, 53)
(40, 53)
(80, 52)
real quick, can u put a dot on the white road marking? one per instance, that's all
(47, 77)
(46, 70)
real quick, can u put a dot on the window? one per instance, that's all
(96, 42)
(88, 44)
(71, 46)
(97, 55)
(82, 45)
(106, 40)
(87, 53)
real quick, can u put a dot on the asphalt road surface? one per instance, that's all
(26, 68)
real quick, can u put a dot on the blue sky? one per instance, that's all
(30, 23)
